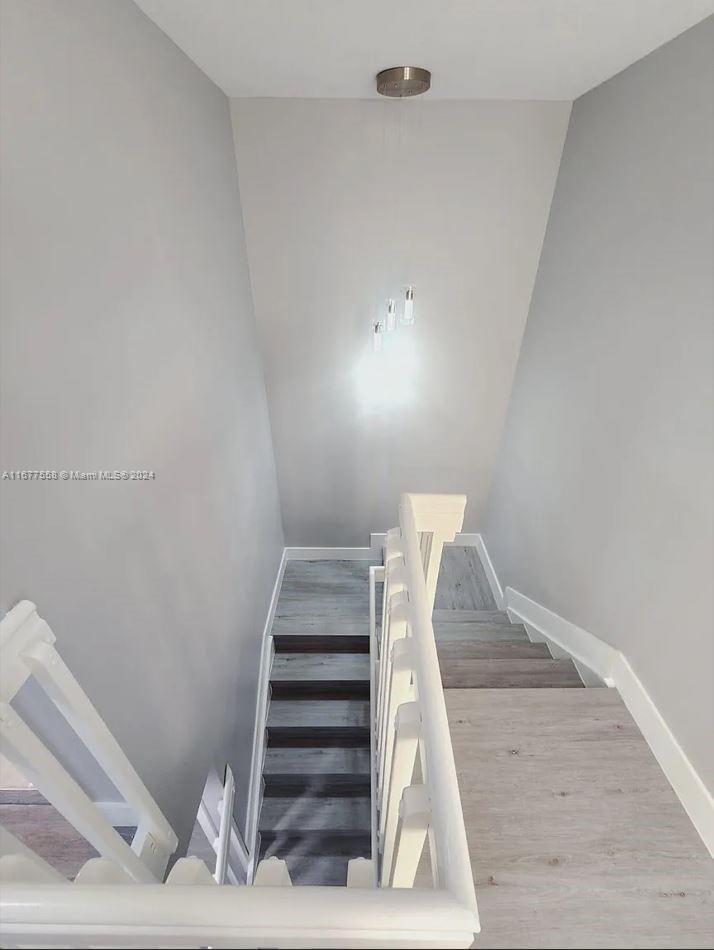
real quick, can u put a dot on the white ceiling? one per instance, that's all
(476, 49)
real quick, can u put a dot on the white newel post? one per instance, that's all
(438, 519)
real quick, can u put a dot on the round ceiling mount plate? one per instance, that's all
(401, 81)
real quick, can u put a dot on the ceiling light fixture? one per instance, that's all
(399, 82)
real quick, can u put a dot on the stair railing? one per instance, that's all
(27, 649)
(411, 727)
(379, 907)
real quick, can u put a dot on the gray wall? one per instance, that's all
(601, 507)
(129, 343)
(345, 203)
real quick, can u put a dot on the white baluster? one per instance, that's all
(399, 690)
(397, 629)
(102, 871)
(412, 827)
(360, 872)
(406, 742)
(189, 871)
(37, 763)
(157, 840)
(19, 864)
(272, 872)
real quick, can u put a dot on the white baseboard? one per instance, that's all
(490, 571)
(261, 714)
(329, 554)
(581, 645)
(684, 779)
(614, 668)
(466, 539)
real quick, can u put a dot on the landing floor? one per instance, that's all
(576, 838)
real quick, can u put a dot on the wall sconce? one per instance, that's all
(377, 334)
(408, 317)
(380, 327)
(391, 314)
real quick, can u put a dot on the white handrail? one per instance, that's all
(410, 703)
(232, 917)
(453, 865)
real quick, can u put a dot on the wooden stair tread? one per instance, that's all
(484, 632)
(334, 815)
(316, 761)
(317, 772)
(311, 667)
(453, 650)
(328, 713)
(508, 674)
(470, 616)
(333, 625)
(315, 843)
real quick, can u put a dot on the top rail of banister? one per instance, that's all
(433, 513)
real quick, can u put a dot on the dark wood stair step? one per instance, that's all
(320, 690)
(315, 843)
(333, 815)
(320, 676)
(321, 643)
(337, 625)
(315, 772)
(506, 674)
(310, 723)
(316, 761)
(323, 667)
(315, 872)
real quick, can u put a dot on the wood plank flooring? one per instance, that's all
(30, 817)
(576, 838)
(462, 583)
(533, 672)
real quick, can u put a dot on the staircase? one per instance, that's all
(482, 649)
(513, 775)
(316, 810)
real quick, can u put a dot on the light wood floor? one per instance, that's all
(576, 838)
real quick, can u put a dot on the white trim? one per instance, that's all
(490, 571)
(683, 777)
(581, 645)
(615, 669)
(465, 539)
(261, 715)
(377, 543)
(329, 554)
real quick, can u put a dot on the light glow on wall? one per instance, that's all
(386, 379)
